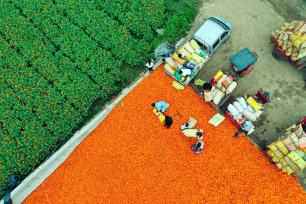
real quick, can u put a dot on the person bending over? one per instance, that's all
(208, 91)
(190, 124)
(168, 122)
(195, 133)
(161, 106)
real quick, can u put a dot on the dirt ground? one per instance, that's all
(253, 20)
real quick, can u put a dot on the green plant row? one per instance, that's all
(54, 67)
(24, 141)
(141, 17)
(101, 29)
(77, 47)
(31, 87)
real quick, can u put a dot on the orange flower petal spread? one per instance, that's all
(132, 158)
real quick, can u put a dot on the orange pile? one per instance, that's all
(132, 158)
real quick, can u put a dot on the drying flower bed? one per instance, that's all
(132, 158)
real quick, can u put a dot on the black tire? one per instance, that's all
(276, 55)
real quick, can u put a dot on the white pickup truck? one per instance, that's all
(213, 32)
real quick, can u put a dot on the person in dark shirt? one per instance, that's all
(168, 121)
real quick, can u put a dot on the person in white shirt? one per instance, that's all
(150, 65)
(183, 54)
(190, 124)
(185, 72)
(209, 91)
(195, 133)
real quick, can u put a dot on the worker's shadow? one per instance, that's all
(262, 144)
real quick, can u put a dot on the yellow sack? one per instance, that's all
(289, 170)
(289, 144)
(188, 47)
(270, 153)
(298, 39)
(284, 169)
(291, 127)
(181, 49)
(279, 165)
(272, 147)
(301, 55)
(280, 145)
(291, 164)
(297, 160)
(176, 58)
(254, 103)
(275, 159)
(283, 162)
(300, 163)
(294, 139)
(188, 57)
(177, 85)
(194, 44)
(278, 154)
(195, 57)
(169, 69)
(294, 156)
(298, 26)
(218, 75)
(170, 61)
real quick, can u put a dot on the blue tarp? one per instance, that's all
(243, 59)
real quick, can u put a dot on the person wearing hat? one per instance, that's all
(198, 147)
(161, 106)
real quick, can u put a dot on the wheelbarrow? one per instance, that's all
(263, 96)
(243, 61)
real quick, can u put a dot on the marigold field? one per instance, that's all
(132, 158)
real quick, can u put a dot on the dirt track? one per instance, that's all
(253, 20)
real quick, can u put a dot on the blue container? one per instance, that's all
(167, 54)
(190, 65)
